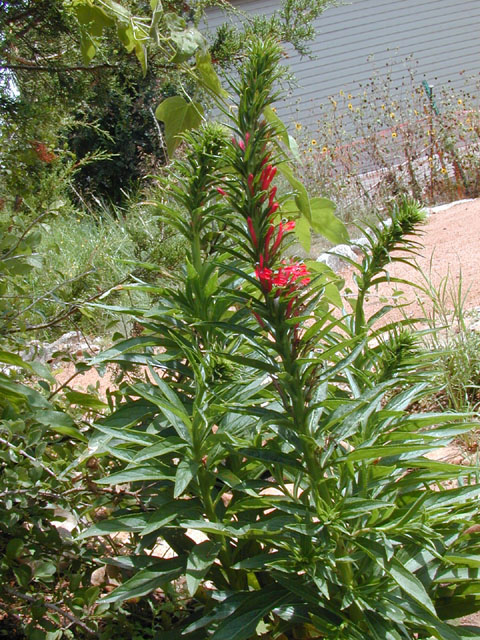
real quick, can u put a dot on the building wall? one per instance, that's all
(437, 40)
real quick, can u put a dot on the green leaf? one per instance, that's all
(301, 199)
(147, 580)
(14, 548)
(94, 18)
(271, 457)
(18, 393)
(23, 575)
(303, 233)
(186, 471)
(199, 561)
(410, 584)
(178, 115)
(207, 75)
(371, 453)
(187, 41)
(153, 471)
(86, 400)
(324, 221)
(15, 360)
(467, 560)
(129, 523)
(241, 624)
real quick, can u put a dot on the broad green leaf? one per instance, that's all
(94, 18)
(14, 548)
(16, 393)
(178, 116)
(303, 233)
(147, 580)
(187, 42)
(325, 221)
(15, 360)
(301, 199)
(207, 75)
(86, 400)
(23, 575)
(186, 471)
(125, 34)
(199, 561)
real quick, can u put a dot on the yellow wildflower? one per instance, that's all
(350, 106)
(313, 142)
(392, 115)
(324, 149)
(394, 134)
(444, 170)
(298, 126)
(460, 101)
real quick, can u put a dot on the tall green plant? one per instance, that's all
(266, 421)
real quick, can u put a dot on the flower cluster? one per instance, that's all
(280, 280)
(285, 279)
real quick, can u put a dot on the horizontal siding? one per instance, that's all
(439, 39)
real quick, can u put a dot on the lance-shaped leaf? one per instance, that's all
(201, 558)
(147, 580)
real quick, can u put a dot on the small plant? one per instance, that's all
(455, 343)
(269, 441)
(387, 141)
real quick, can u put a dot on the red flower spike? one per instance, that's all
(259, 320)
(264, 178)
(247, 138)
(241, 144)
(290, 225)
(250, 183)
(221, 191)
(273, 193)
(268, 236)
(253, 235)
(278, 239)
(273, 209)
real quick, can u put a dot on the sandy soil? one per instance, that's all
(450, 249)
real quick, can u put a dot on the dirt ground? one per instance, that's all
(449, 253)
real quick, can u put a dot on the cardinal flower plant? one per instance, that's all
(280, 479)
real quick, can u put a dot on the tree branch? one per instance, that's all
(56, 69)
(53, 607)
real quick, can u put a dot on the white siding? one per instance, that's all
(364, 38)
